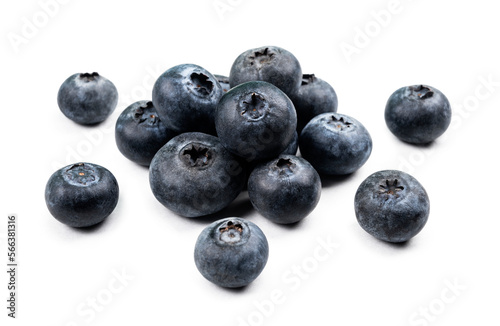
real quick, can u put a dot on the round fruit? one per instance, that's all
(391, 205)
(231, 252)
(81, 194)
(87, 98)
(418, 114)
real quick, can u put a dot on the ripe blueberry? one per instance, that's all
(194, 175)
(270, 64)
(185, 97)
(87, 98)
(335, 144)
(140, 133)
(284, 190)
(418, 114)
(255, 120)
(81, 194)
(391, 205)
(313, 97)
(231, 252)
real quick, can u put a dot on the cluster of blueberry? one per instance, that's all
(205, 137)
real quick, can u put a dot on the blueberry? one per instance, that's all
(185, 97)
(270, 64)
(223, 82)
(293, 146)
(335, 144)
(194, 175)
(255, 120)
(87, 98)
(231, 252)
(313, 97)
(418, 114)
(140, 133)
(81, 194)
(284, 190)
(391, 205)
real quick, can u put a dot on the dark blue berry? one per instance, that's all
(231, 252)
(140, 133)
(185, 97)
(87, 98)
(270, 64)
(255, 120)
(81, 194)
(335, 144)
(418, 114)
(391, 205)
(194, 175)
(284, 190)
(314, 97)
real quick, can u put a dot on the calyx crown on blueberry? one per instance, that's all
(253, 106)
(200, 84)
(390, 188)
(196, 155)
(261, 57)
(284, 166)
(89, 77)
(232, 232)
(80, 174)
(143, 114)
(421, 91)
(339, 123)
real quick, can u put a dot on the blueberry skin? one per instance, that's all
(284, 190)
(186, 96)
(231, 252)
(391, 205)
(335, 144)
(417, 114)
(255, 120)
(81, 194)
(293, 146)
(194, 175)
(224, 82)
(271, 64)
(314, 96)
(87, 98)
(140, 133)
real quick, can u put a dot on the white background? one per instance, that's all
(447, 275)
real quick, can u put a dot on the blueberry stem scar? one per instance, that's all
(390, 187)
(231, 225)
